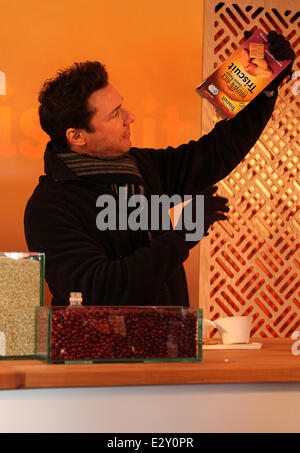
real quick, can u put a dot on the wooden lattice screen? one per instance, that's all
(254, 256)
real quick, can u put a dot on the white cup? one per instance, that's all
(233, 329)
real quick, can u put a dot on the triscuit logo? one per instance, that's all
(250, 85)
(2, 84)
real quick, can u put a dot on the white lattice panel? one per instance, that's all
(253, 257)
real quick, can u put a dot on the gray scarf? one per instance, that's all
(85, 165)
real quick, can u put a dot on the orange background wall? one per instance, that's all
(152, 50)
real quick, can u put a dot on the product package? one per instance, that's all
(242, 76)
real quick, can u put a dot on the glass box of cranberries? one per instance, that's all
(118, 334)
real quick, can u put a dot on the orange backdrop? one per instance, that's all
(152, 50)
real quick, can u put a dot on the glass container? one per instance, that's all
(87, 334)
(21, 292)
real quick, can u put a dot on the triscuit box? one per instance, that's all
(241, 78)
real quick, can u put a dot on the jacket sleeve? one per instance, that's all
(191, 167)
(77, 262)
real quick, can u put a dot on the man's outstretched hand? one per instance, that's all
(214, 209)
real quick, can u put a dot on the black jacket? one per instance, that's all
(127, 267)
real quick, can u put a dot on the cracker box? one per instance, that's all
(241, 78)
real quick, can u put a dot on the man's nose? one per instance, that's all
(129, 117)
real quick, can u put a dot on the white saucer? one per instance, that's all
(233, 346)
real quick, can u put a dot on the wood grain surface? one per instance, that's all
(275, 362)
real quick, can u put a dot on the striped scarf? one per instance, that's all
(85, 165)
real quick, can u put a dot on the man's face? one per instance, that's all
(110, 124)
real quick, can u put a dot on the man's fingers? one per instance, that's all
(286, 55)
(280, 48)
(272, 35)
(217, 199)
(219, 208)
(247, 34)
(209, 190)
(215, 204)
(215, 217)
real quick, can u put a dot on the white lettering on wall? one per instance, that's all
(2, 84)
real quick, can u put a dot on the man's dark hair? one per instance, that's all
(63, 99)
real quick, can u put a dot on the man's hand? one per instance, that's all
(281, 49)
(214, 208)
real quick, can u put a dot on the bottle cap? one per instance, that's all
(75, 298)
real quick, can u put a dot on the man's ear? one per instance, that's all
(75, 137)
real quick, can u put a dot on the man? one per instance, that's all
(90, 154)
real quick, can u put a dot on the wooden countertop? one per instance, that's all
(275, 362)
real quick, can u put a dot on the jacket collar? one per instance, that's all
(54, 166)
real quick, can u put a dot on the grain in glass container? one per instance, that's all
(21, 292)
